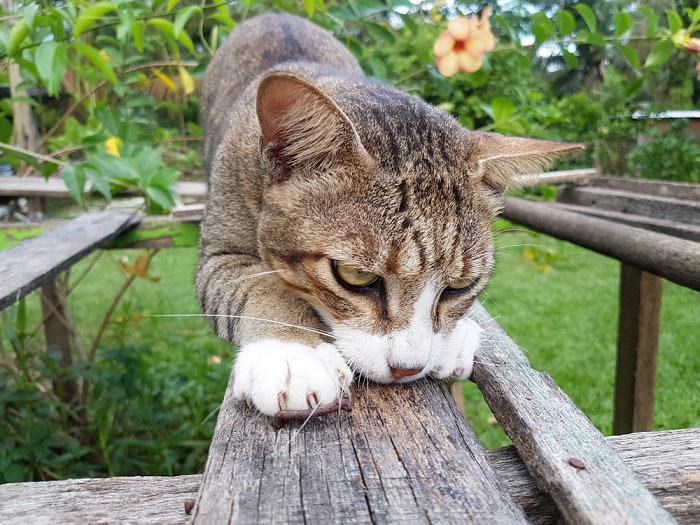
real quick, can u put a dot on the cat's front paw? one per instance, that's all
(457, 359)
(277, 376)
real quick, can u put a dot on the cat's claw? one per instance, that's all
(457, 360)
(279, 377)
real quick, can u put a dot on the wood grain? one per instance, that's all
(565, 454)
(405, 454)
(37, 261)
(668, 463)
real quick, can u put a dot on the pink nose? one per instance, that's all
(398, 373)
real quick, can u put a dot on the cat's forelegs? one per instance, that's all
(286, 360)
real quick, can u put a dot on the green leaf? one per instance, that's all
(566, 22)
(50, 60)
(652, 21)
(94, 56)
(675, 23)
(162, 197)
(167, 29)
(310, 7)
(659, 54)
(30, 14)
(171, 5)
(74, 178)
(570, 59)
(541, 28)
(91, 15)
(183, 17)
(502, 109)
(622, 22)
(380, 32)
(595, 39)
(588, 16)
(99, 182)
(17, 35)
(137, 31)
(630, 55)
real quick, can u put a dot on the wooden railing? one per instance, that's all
(405, 454)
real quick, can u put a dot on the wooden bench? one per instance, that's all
(405, 454)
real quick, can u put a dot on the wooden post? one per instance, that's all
(57, 330)
(637, 349)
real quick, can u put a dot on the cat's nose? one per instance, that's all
(398, 373)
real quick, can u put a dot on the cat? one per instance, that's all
(348, 225)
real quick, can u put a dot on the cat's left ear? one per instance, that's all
(499, 160)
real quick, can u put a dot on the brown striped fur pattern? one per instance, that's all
(310, 162)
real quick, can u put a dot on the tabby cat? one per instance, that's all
(348, 224)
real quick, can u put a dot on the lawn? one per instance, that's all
(556, 300)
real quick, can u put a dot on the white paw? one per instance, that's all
(276, 375)
(457, 359)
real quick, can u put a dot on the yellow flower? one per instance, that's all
(461, 48)
(112, 146)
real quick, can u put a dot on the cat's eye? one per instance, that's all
(350, 275)
(460, 286)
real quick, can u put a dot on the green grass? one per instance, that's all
(562, 309)
(556, 300)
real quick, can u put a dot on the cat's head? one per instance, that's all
(379, 215)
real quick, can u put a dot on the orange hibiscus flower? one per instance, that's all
(461, 48)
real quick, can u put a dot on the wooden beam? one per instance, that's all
(637, 350)
(676, 190)
(674, 259)
(565, 454)
(405, 454)
(37, 261)
(668, 208)
(57, 325)
(682, 230)
(668, 463)
(577, 176)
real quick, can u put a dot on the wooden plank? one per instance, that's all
(676, 190)
(37, 261)
(565, 454)
(682, 230)
(667, 208)
(133, 500)
(577, 176)
(674, 259)
(668, 463)
(53, 187)
(58, 337)
(637, 350)
(405, 454)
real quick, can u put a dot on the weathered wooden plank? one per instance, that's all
(565, 454)
(675, 190)
(683, 230)
(36, 261)
(55, 188)
(637, 350)
(668, 208)
(668, 463)
(577, 176)
(675, 259)
(126, 501)
(405, 454)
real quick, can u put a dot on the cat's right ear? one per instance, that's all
(302, 128)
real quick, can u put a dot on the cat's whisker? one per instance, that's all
(517, 245)
(273, 321)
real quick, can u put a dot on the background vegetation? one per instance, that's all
(113, 86)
